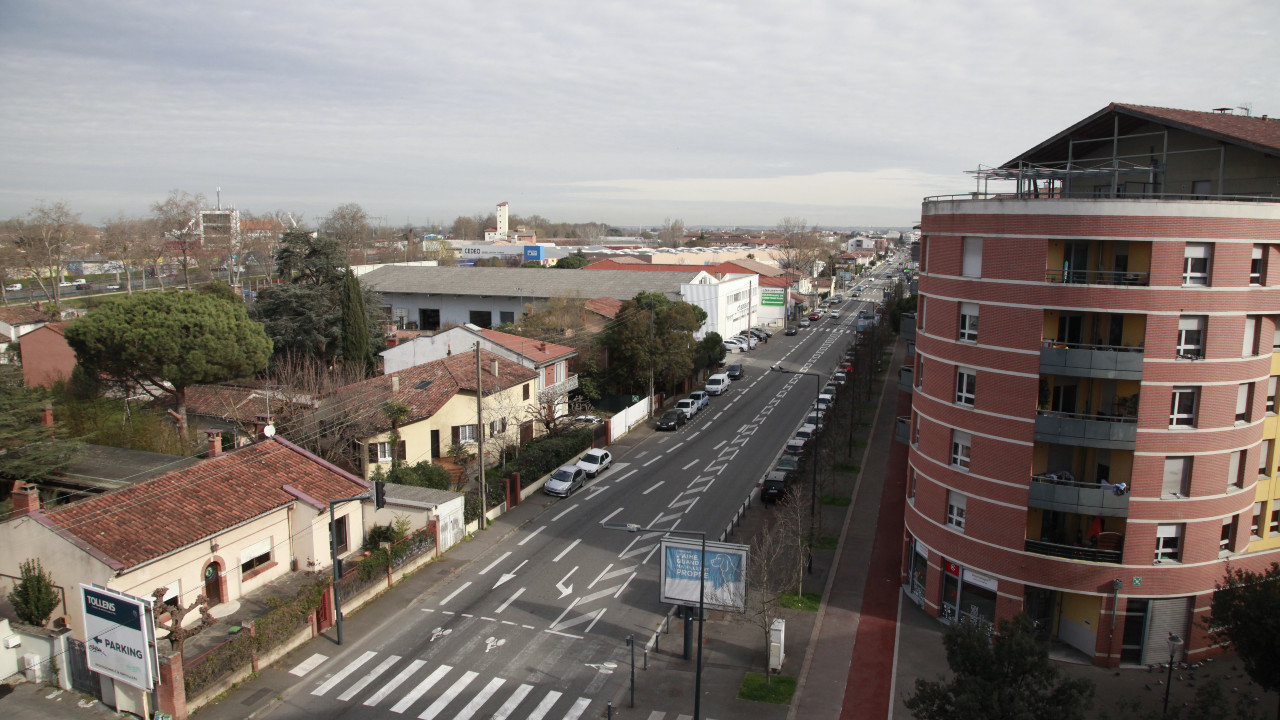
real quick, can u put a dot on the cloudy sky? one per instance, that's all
(719, 113)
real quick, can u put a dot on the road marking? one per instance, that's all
(343, 673)
(396, 681)
(602, 572)
(624, 477)
(508, 601)
(529, 537)
(704, 427)
(545, 706)
(578, 708)
(451, 595)
(686, 467)
(654, 460)
(480, 699)
(454, 690)
(308, 665)
(624, 585)
(642, 453)
(696, 434)
(575, 542)
(512, 702)
(655, 487)
(717, 415)
(560, 585)
(615, 512)
(369, 677)
(421, 689)
(566, 512)
(507, 576)
(505, 555)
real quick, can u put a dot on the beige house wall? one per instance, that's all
(23, 539)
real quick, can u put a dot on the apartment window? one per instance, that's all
(1235, 469)
(915, 430)
(1191, 337)
(526, 391)
(1255, 525)
(911, 486)
(1183, 411)
(1169, 542)
(971, 265)
(1264, 458)
(1273, 528)
(1177, 477)
(920, 303)
(1228, 537)
(1195, 264)
(1275, 334)
(955, 510)
(968, 322)
(1257, 264)
(966, 386)
(255, 556)
(961, 447)
(920, 372)
(1249, 347)
(924, 254)
(1271, 395)
(1244, 400)
(339, 530)
(384, 452)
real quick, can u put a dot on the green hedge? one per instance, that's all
(545, 454)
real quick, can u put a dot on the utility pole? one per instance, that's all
(652, 409)
(484, 497)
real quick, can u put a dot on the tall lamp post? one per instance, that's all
(702, 608)
(1175, 642)
(813, 462)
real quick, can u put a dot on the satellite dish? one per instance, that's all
(269, 430)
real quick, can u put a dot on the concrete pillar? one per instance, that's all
(171, 693)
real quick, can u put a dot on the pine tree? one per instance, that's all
(34, 598)
(356, 346)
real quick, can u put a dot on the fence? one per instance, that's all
(628, 418)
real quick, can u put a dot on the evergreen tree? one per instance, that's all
(356, 345)
(1244, 611)
(29, 451)
(34, 598)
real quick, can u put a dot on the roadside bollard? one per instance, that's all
(646, 658)
(610, 710)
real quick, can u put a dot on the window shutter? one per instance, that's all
(455, 433)
(402, 450)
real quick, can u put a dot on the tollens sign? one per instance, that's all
(119, 636)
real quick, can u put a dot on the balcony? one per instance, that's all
(902, 430)
(1059, 493)
(1097, 277)
(1073, 552)
(561, 388)
(1107, 362)
(907, 326)
(906, 377)
(1114, 432)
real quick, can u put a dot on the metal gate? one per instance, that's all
(82, 678)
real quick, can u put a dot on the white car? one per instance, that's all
(688, 407)
(735, 343)
(14, 287)
(595, 462)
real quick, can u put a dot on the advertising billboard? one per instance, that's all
(119, 637)
(772, 296)
(724, 580)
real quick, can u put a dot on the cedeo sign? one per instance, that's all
(119, 636)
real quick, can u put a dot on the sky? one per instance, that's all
(842, 113)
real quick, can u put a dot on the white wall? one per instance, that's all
(726, 314)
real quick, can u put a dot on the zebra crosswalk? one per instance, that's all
(442, 691)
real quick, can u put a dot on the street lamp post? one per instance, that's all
(702, 608)
(813, 462)
(1175, 642)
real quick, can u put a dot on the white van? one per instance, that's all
(717, 384)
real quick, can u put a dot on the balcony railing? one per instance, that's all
(567, 385)
(1072, 552)
(1097, 277)
(906, 376)
(1108, 362)
(1122, 194)
(1116, 432)
(1061, 493)
(902, 430)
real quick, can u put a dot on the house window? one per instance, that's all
(338, 529)
(1227, 539)
(255, 556)
(955, 510)
(960, 449)
(1177, 477)
(172, 594)
(1257, 265)
(1244, 400)
(560, 372)
(966, 386)
(972, 263)
(1264, 458)
(1191, 337)
(1271, 395)
(526, 391)
(1195, 264)
(497, 427)
(463, 434)
(507, 318)
(1255, 525)
(1249, 347)
(1169, 542)
(384, 452)
(968, 322)
(1183, 411)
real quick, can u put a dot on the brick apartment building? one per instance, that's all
(1102, 444)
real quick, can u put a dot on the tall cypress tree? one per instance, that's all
(356, 344)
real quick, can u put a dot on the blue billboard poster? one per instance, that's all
(723, 580)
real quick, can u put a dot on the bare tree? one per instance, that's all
(44, 237)
(768, 575)
(503, 412)
(177, 612)
(124, 239)
(177, 219)
(672, 233)
(322, 418)
(349, 225)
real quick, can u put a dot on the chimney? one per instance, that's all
(542, 345)
(493, 367)
(260, 423)
(395, 383)
(46, 415)
(392, 341)
(26, 498)
(215, 442)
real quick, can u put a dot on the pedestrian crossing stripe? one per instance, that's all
(454, 692)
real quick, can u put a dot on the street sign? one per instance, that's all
(772, 296)
(724, 581)
(119, 637)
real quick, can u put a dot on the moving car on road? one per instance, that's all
(791, 330)
(734, 371)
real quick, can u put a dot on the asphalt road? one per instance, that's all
(538, 629)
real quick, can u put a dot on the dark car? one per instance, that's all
(788, 464)
(734, 371)
(774, 487)
(672, 420)
(792, 330)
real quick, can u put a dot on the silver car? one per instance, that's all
(564, 481)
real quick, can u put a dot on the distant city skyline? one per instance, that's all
(842, 114)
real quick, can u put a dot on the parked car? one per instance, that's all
(794, 446)
(672, 420)
(14, 287)
(595, 462)
(767, 332)
(564, 481)
(830, 389)
(748, 341)
(792, 330)
(758, 334)
(824, 401)
(814, 316)
(774, 487)
(734, 371)
(835, 314)
(814, 418)
(839, 378)
(804, 322)
(718, 383)
(701, 397)
(806, 432)
(735, 343)
(789, 464)
(688, 407)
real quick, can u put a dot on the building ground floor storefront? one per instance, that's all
(1083, 625)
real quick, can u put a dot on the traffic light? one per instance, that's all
(379, 494)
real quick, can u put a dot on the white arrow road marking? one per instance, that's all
(451, 595)
(396, 682)
(369, 677)
(560, 585)
(508, 601)
(607, 667)
(343, 673)
(529, 537)
(507, 576)
(566, 550)
(512, 702)
(454, 691)
(490, 566)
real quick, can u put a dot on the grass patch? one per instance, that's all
(778, 690)
(848, 467)
(836, 501)
(826, 542)
(808, 602)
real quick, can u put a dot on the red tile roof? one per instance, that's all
(1260, 131)
(234, 403)
(135, 524)
(539, 352)
(22, 315)
(604, 306)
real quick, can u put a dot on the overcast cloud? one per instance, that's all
(844, 113)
